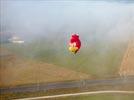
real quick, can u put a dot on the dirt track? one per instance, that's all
(127, 65)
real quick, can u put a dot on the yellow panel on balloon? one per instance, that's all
(73, 49)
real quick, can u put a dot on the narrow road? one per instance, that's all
(77, 94)
(69, 85)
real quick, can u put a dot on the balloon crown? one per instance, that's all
(75, 35)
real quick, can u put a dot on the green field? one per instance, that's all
(103, 96)
(111, 96)
(99, 59)
(100, 97)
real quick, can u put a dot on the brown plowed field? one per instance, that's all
(18, 71)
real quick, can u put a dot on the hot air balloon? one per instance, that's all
(74, 43)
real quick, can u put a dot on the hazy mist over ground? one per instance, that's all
(104, 29)
(100, 19)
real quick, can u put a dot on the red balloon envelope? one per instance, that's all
(74, 43)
